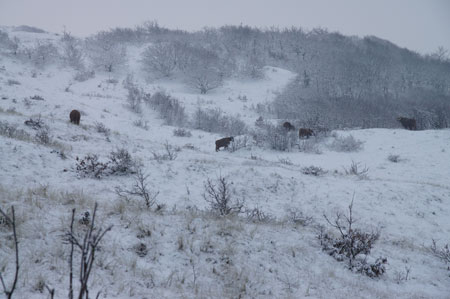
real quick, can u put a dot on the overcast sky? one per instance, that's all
(420, 25)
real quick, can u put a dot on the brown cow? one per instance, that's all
(224, 142)
(288, 126)
(408, 123)
(75, 117)
(304, 132)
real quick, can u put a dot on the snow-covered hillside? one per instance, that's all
(182, 249)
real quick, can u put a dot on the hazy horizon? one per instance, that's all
(421, 26)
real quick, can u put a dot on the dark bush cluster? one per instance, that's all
(120, 163)
(313, 170)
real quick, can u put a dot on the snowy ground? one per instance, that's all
(192, 253)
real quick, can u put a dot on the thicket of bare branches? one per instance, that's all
(87, 245)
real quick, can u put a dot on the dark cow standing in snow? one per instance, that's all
(408, 123)
(304, 132)
(288, 126)
(224, 142)
(75, 117)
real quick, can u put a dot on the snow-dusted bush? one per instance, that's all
(219, 196)
(170, 109)
(11, 82)
(394, 158)
(44, 54)
(121, 162)
(43, 136)
(275, 137)
(239, 142)
(105, 53)
(310, 145)
(442, 253)
(257, 215)
(214, 120)
(299, 217)
(356, 169)
(313, 170)
(180, 132)
(139, 189)
(101, 128)
(72, 53)
(11, 131)
(35, 123)
(90, 166)
(82, 76)
(204, 70)
(352, 245)
(170, 153)
(141, 123)
(346, 144)
(160, 58)
(135, 94)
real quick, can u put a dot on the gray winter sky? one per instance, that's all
(420, 25)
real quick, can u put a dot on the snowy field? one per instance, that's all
(182, 250)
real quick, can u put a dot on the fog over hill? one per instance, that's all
(320, 193)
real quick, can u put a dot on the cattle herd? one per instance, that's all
(407, 123)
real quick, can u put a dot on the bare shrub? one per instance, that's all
(297, 216)
(12, 222)
(82, 76)
(257, 215)
(11, 82)
(43, 136)
(180, 132)
(356, 169)
(310, 145)
(394, 158)
(11, 131)
(141, 123)
(346, 144)
(169, 108)
(37, 98)
(313, 170)
(87, 245)
(239, 142)
(279, 139)
(351, 243)
(285, 161)
(139, 189)
(160, 58)
(170, 153)
(35, 123)
(218, 195)
(89, 166)
(101, 128)
(214, 120)
(135, 94)
(442, 253)
(121, 162)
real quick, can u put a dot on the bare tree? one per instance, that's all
(219, 197)
(160, 58)
(104, 52)
(204, 71)
(11, 222)
(87, 246)
(71, 51)
(44, 53)
(139, 189)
